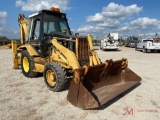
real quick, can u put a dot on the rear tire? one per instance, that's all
(27, 65)
(54, 76)
(103, 49)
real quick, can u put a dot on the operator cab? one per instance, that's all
(111, 41)
(43, 26)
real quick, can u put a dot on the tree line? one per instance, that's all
(4, 40)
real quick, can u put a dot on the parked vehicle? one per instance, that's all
(131, 42)
(110, 44)
(148, 45)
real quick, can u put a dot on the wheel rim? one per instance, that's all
(25, 64)
(51, 78)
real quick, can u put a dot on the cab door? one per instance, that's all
(34, 34)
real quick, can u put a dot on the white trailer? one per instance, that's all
(109, 44)
(114, 36)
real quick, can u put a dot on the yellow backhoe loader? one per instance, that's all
(6, 46)
(48, 47)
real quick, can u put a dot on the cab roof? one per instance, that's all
(46, 12)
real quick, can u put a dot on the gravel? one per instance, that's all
(24, 98)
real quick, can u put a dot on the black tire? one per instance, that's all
(103, 49)
(57, 83)
(135, 48)
(28, 72)
(129, 45)
(144, 50)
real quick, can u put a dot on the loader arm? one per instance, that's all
(63, 55)
(85, 54)
(94, 59)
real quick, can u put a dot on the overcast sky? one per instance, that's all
(97, 17)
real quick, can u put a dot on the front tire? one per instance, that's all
(27, 65)
(144, 50)
(54, 76)
(135, 48)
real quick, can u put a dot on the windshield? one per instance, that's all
(111, 41)
(134, 41)
(55, 25)
(147, 40)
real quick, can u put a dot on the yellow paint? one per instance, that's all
(51, 78)
(31, 50)
(23, 22)
(38, 68)
(66, 55)
(15, 57)
(93, 57)
(26, 64)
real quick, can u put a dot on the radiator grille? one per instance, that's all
(83, 51)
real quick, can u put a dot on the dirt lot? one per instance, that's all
(23, 98)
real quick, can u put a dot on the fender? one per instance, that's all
(31, 50)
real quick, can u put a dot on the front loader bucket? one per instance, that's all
(92, 86)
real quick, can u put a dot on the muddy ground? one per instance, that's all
(24, 98)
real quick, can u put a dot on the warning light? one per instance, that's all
(55, 9)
